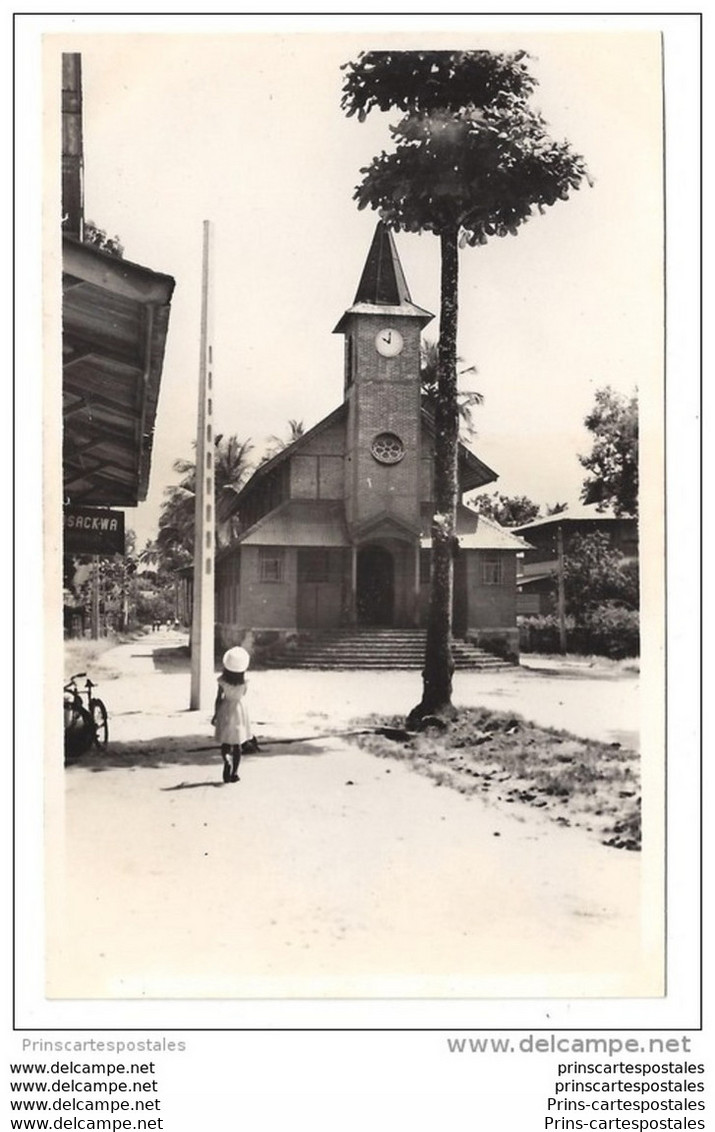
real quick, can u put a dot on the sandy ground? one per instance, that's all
(327, 871)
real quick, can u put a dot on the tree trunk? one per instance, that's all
(439, 663)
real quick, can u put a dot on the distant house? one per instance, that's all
(335, 529)
(537, 568)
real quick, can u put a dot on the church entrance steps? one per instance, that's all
(377, 648)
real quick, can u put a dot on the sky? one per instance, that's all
(246, 130)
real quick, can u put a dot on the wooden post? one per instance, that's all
(417, 587)
(94, 621)
(353, 585)
(561, 588)
(202, 625)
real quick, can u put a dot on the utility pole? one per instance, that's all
(202, 625)
(562, 589)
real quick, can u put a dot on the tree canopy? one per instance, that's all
(595, 573)
(98, 238)
(613, 459)
(470, 153)
(420, 81)
(507, 510)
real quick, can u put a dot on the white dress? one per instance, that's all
(232, 722)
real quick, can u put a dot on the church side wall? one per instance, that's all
(494, 605)
(491, 608)
(264, 604)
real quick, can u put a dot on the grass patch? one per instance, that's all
(507, 759)
(81, 655)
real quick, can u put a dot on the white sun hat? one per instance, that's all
(236, 659)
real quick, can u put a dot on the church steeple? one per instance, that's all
(383, 280)
(383, 288)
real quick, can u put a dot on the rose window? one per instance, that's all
(387, 448)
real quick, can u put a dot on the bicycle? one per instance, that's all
(84, 726)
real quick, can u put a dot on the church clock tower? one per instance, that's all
(382, 390)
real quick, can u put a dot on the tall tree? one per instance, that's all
(613, 459)
(471, 160)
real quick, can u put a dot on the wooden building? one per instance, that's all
(538, 568)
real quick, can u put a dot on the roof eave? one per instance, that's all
(404, 310)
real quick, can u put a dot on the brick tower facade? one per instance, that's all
(382, 390)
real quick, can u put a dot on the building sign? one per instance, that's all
(93, 530)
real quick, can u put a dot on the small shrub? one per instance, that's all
(608, 630)
(611, 630)
(499, 646)
(541, 633)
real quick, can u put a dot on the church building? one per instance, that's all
(335, 529)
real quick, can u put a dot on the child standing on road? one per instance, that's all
(230, 719)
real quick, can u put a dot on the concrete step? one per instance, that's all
(375, 649)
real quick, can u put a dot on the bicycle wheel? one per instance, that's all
(99, 721)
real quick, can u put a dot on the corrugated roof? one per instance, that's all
(115, 317)
(300, 522)
(474, 532)
(584, 512)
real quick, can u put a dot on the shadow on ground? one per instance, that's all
(171, 658)
(184, 750)
(575, 673)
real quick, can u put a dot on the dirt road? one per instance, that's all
(326, 871)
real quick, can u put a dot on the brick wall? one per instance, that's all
(384, 398)
(491, 606)
(267, 605)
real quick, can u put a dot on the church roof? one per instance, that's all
(383, 288)
(475, 532)
(472, 472)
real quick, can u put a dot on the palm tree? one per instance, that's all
(175, 540)
(471, 160)
(232, 467)
(467, 399)
(276, 444)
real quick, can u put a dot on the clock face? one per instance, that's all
(388, 342)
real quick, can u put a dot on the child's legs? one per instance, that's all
(235, 757)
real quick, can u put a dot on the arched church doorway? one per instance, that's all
(375, 586)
